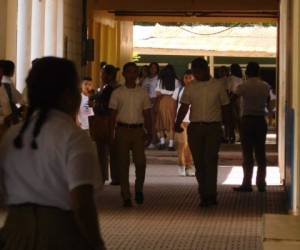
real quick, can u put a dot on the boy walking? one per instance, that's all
(131, 128)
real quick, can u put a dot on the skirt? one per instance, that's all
(166, 114)
(33, 227)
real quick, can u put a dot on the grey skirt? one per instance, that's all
(34, 227)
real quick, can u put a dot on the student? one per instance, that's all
(185, 160)
(49, 167)
(85, 110)
(102, 121)
(150, 84)
(255, 94)
(9, 97)
(131, 111)
(206, 98)
(166, 114)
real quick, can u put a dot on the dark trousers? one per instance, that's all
(253, 138)
(204, 141)
(108, 156)
(131, 139)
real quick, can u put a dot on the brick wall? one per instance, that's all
(72, 30)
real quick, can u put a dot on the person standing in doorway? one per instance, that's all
(185, 160)
(131, 112)
(255, 94)
(205, 97)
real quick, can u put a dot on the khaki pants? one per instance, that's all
(183, 149)
(204, 140)
(131, 139)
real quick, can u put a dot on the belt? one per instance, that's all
(126, 125)
(205, 123)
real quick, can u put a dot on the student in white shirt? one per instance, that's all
(49, 167)
(166, 114)
(185, 159)
(85, 110)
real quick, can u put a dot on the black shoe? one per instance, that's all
(127, 203)
(243, 189)
(115, 183)
(208, 203)
(261, 189)
(139, 197)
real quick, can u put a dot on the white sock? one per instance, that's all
(162, 140)
(171, 143)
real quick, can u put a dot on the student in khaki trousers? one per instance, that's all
(131, 125)
(207, 98)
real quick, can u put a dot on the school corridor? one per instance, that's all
(170, 218)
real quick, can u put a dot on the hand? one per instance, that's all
(178, 128)
(148, 139)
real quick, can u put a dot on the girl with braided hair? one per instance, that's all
(49, 168)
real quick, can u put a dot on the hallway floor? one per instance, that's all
(171, 219)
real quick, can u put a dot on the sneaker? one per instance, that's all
(261, 189)
(181, 170)
(151, 146)
(127, 203)
(139, 198)
(190, 171)
(208, 203)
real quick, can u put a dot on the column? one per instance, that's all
(50, 28)
(23, 42)
(60, 29)
(37, 34)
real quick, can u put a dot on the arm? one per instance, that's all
(148, 125)
(85, 213)
(180, 116)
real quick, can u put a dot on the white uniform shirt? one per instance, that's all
(164, 91)
(84, 112)
(233, 83)
(177, 97)
(65, 159)
(150, 85)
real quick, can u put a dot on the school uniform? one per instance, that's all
(204, 132)
(37, 184)
(130, 104)
(255, 94)
(84, 112)
(183, 150)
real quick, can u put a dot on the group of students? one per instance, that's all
(49, 166)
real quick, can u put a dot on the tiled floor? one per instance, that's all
(171, 219)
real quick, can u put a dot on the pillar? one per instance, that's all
(37, 35)
(50, 28)
(23, 42)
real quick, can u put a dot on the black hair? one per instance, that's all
(253, 69)
(129, 64)
(110, 70)
(156, 65)
(48, 78)
(102, 64)
(236, 70)
(200, 63)
(86, 78)
(168, 77)
(8, 67)
(188, 72)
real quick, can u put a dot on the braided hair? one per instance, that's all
(47, 82)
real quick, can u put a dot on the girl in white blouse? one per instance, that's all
(49, 167)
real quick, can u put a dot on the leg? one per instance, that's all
(139, 158)
(114, 167)
(247, 148)
(102, 150)
(260, 153)
(212, 145)
(196, 142)
(123, 150)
